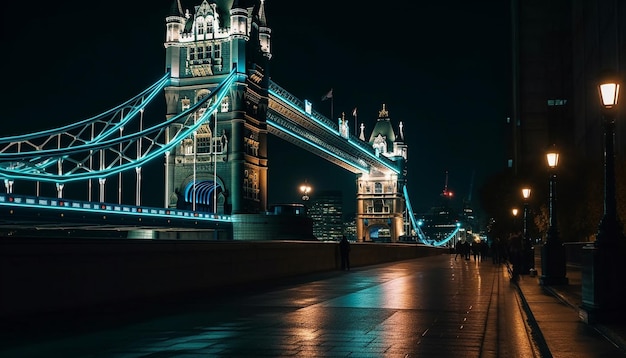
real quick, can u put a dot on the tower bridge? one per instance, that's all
(220, 107)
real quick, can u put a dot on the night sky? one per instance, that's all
(442, 68)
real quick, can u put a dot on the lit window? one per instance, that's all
(200, 26)
(217, 51)
(185, 104)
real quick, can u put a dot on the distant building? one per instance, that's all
(349, 227)
(327, 213)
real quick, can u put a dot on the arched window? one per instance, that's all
(200, 26)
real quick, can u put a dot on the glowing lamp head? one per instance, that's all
(526, 192)
(553, 158)
(608, 89)
(514, 211)
(305, 189)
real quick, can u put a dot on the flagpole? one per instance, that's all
(327, 96)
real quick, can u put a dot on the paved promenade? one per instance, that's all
(557, 326)
(427, 307)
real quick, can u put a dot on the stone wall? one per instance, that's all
(39, 275)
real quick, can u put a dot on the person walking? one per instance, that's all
(495, 251)
(344, 251)
(476, 250)
(459, 249)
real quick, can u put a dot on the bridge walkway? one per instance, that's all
(426, 307)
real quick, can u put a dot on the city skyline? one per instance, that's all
(440, 69)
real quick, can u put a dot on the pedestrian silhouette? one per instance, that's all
(344, 250)
(466, 249)
(476, 250)
(515, 255)
(459, 250)
(495, 251)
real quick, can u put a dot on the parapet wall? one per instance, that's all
(51, 275)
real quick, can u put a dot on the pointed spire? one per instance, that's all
(176, 9)
(262, 19)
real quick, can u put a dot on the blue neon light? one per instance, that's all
(334, 131)
(106, 208)
(277, 126)
(154, 88)
(417, 225)
(35, 172)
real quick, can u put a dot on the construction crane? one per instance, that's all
(446, 193)
(471, 187)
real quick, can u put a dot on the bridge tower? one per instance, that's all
(223, 167)
(380, 201)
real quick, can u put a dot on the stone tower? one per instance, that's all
(223, 167)
(380, 200)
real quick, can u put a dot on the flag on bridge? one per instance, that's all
(355, 124)
(328, 95)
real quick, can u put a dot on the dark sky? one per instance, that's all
(442, 68)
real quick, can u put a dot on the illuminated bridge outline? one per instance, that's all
(32, 164)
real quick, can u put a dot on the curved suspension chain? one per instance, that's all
(83, 132)
(114, 155)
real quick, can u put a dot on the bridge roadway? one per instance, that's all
(428, 307)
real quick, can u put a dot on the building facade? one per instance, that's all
(326, 211)
(559, 50)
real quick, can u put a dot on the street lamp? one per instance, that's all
(602, 269)
(529, 256)
(553, 251)
(609, 229)
(305, 189)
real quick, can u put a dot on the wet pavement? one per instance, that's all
(427, 307)
(556, 321)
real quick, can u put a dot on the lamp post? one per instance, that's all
(609, 229)
(602, 268)
(553, 251)
(305, 190)
(514, 211)
(515, 248)
(529, 256)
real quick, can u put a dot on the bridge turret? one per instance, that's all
(399, 146)
(174, 26)
(264, 32)
(228, 154)
(383, 136)
(239, 27)
(380, 200)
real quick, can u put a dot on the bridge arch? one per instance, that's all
(209, 196)
(379, 232)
